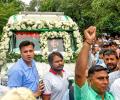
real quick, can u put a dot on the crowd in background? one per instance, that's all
(104, 51)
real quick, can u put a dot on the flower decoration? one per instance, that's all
(50, 28)
(64, 35)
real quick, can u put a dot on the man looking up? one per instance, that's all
(94, 87)
(24, 73)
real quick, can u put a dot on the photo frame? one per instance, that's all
(29, 36)
(56, 45)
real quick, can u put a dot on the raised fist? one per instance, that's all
(90, 34)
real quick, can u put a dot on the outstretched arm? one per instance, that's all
(82, 61)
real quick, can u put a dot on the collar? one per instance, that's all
(93, 92)
(96, 95)
(52, 71)
(25, 66)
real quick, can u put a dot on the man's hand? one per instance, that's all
(90, 34)
(40, 89)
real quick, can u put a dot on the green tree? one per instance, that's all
(32, 5)
(107, 15)
(78, 10)
(8, 8)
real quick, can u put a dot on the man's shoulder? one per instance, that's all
(114, 74)
(15, 67)
(84, 86)
(116, 82)
(109, 96)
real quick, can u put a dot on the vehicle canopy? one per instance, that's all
(46, 30)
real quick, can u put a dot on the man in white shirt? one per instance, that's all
(56, 80)
(115, 89)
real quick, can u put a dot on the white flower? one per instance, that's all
(50, 26)
(58, 25)
(2, 54)
(1, 62)
(75, 27)
(18, 27)
(6, 47)
(23, 26)
(29, 28)
(13, 60)
(66, 27)
(10, 33)
(34, 26)
(5, 35)
(39, 26)
(30, 24)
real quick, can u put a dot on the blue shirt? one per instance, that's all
(101, 62)
(21, 75)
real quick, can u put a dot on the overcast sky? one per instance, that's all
(26, 1)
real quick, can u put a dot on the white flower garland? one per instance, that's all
(32, 25)
(67, 43)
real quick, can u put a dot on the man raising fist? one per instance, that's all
(90, 84)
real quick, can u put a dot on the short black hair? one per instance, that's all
(96, 68)
(113, 43)
(52, 55)
(26, 43)
(110, 52)
(101, 52)
(106, 44)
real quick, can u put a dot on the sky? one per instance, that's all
(26, 1)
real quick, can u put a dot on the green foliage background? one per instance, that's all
(8, 8)
(104, 14)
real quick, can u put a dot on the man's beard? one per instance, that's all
(58, 69)
(112, 67)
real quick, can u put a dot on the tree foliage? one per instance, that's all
(107, 15)
(8, 8)
(32, 5)
(104, 14)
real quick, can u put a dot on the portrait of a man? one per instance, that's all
(55, 45)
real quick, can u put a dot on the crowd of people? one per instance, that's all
(92, 79)
(97, 73)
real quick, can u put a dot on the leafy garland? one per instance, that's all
(29, 25)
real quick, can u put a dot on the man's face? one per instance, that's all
(100, 56)
(110, 61)
(57, 63)
(97, 48)
(99, 81)
(27, 53)
(54, 43)
(113, 47)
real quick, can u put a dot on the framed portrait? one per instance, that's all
(55, 45)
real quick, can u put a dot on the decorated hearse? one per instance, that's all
(49, 31)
